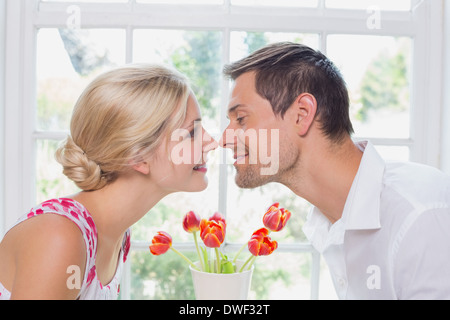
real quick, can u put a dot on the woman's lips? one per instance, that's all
(201, 168)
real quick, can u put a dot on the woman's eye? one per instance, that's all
(195, 132)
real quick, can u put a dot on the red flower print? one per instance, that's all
(126, 248)
(91, 276)
(49, 204)
(74, 214)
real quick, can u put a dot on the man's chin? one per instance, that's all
(248, 180)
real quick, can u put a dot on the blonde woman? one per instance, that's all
(119, 154)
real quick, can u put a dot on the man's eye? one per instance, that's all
(240, 120)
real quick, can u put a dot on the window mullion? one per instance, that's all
(223, 167)
(315, 275)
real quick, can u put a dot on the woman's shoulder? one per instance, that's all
(49, 230)
(47, 226)
(46, 247)
(70, 209)
(61, 221)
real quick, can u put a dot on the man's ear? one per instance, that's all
(303, 111)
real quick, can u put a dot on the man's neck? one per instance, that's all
(325, 175)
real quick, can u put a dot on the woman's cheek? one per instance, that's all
(182, 153)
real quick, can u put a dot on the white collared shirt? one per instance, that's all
(393, 240)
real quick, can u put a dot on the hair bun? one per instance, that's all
(86, 173)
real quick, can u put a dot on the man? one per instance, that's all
(383, 228)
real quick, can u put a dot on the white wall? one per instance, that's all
(445, 141)
(2, 114)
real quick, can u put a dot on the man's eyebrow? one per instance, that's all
(232, 109)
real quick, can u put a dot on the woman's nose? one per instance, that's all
(210, 143)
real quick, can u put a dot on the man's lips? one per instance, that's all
(239, 159)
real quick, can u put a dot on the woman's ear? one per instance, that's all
(142, 167)
(304, 111)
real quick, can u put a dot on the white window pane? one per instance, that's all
(394, 153)
(50, 181)
(276, 3)
(90, 1)
(197, 54)
(165, 277)
(326, 286)
(401, 5)
(156, 46)
(378, 74)
(281, 276)
(168, 214)
(67, 60)
(246, 208)
(207, 2)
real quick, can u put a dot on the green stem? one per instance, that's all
(185, 258)
(198, 252)
(219, 267)
(239, 252)
(246, 262)
(205, 259)
(211, 261)
(251, 263)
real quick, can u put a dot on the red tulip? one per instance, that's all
(218, 217)
(161, 243)
(191, 222)
(212, 232)
(275, 219)
(260, 243)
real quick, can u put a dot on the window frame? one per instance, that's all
(25, 17)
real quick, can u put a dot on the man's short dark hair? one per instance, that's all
(285, 70)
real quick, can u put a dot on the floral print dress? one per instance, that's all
(91, 288)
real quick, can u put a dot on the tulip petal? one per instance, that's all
(275, 219)
(212, 233)
(211, 241)
(260, 243)
(161, 243)
(191, 222)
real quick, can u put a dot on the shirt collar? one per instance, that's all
(362, 207)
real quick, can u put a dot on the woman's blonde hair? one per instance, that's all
(121, 116)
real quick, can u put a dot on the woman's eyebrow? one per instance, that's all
(193, 123)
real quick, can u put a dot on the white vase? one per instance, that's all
(230, 286)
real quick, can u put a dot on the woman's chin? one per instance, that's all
(197, 187)
(200, 185)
